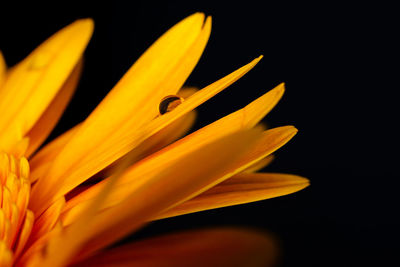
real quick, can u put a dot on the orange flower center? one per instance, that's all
(15, 219)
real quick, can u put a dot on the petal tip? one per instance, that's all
(84, 24)
(279, 90)
(301, 181)
(208, 21)
(290, 128)
(197, 16)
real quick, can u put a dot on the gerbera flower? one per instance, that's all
(120, 168)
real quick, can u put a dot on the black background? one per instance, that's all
(338, 63)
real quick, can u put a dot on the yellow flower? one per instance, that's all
(117, 170)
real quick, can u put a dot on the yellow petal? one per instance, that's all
(43, 160)
(187, 91)
(3, 69)
(161, 139)
(24, 233)
(19, 149)
(171, 185)
(50, 117)
(244, 118)
(32, 84)
(51, 185)
(241, 119)
(260, 164)
(5, 254)
(47, 220)
(133, 102)
(210, 247)
(32, 255)
(240, 189)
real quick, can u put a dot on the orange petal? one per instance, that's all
(260, 164)
(240, 189)
(32, 255)
(24, 233)
(171, 185)
(133, 102)
(236, 121)
(211, 247)
(187, 91)
(20, 147)
(161, 139)
(42, 161)
(3, 69)
(84, 171)
(6, 255)
(32, 84)
(50, 117)
(46, 221)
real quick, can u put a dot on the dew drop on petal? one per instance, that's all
(169, 103)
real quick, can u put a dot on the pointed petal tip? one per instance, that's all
(196, 16)
(84, 24)
(279, 90)
(289, 131)
(288, 128)
(301, 183)
(88, 21)
(208, 21)
(201, 15)
(255, 61)
(281, 86)
(292, 179)
(293, 131)
(299, 180)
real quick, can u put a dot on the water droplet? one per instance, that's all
(168, 103)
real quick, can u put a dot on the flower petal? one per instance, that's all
(3, 69)
(32, 254)
(210, 247)
(42, 161)
(260, 164)
(133, 102)
(239, 189)
(171, 185)
(24, 233)
(52, 186)
(46, 221)
(6, 255)
(239, 120)
(50, 117)
(169, 188)
(32, 84)
(159, 140)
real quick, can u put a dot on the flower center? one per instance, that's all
(15, 220)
